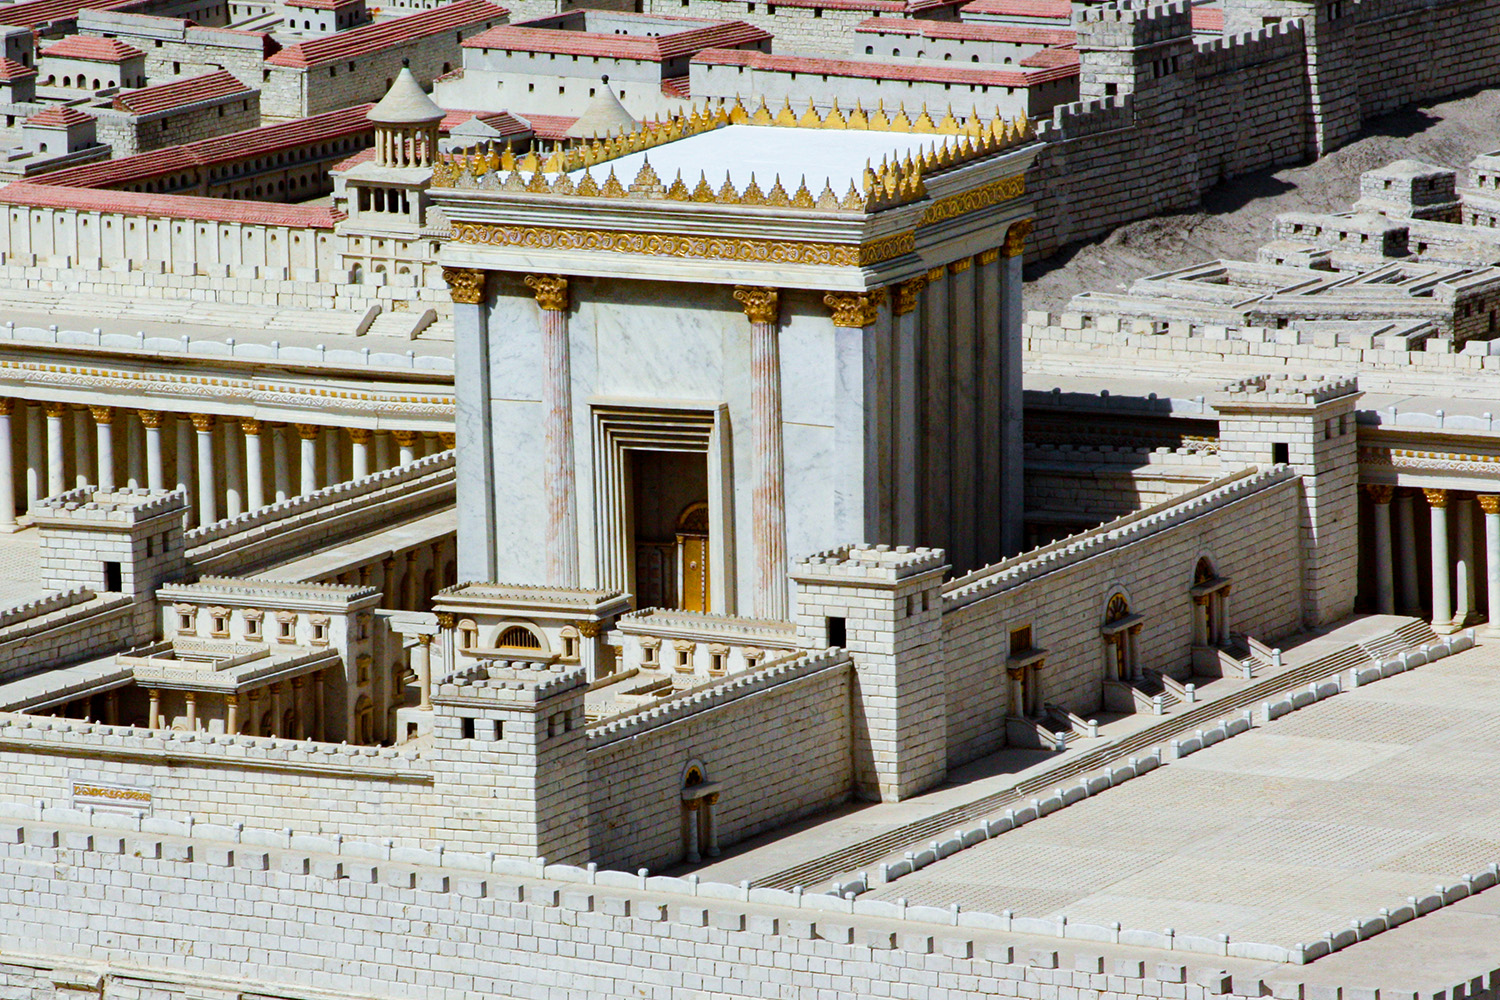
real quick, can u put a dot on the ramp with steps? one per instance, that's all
(866, 852)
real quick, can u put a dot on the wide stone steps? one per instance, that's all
(1413, 633)
(866, 852)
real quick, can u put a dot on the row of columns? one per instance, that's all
(1453, 566)
(230, 462)
(280, 696)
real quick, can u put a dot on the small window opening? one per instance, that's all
(838, 632)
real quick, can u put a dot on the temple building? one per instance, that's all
(729, 337)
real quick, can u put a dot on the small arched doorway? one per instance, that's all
(1210, 594)
(692, 557)
(700, 837)
(1121, 627)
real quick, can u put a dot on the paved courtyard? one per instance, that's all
(1276, 835)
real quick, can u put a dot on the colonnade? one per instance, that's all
(227, 465)
(1453, 551)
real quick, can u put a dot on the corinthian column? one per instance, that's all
(768, 499)
(255, 487)
(104, 418)
(156, 478)
(309, 435)
(1385, 576)
(55, 481)
(1442, 593)
(208, 511)
(7, 471)
(557, 416)
(856, 415)
(360, 457)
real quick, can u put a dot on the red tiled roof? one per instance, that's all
(677, 86)
(873, 6)
(36, 13)
(968, 31)
(1058, 58)
(323, 4)
(1208, 19)
(1060, 10)
(169, 206)
(912, 6)
(58, 116)
(550, 127)
(363, 156)
(12, 70)
(873, 70)
(371, 38)
(93, 49)
(501, 121)
(726, 34)
(221, 149)
(179, 93)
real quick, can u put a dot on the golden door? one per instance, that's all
(693, 551)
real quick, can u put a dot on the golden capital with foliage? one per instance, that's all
(1489, 503)
(103, 414)
(203, 421)
(761, 304)
(152, 419)
(1437, 498)
(449, 440)
(1380, 494)
(465, 284)
(361, 435)
(906, 295)
(551, 290)
(854, 309)
(308, 432)
(55, 409)
(446, 619)
(989, 256)
(1015, 238)
(7, 406)
(405, 439)
(589, 630)
(961, 265)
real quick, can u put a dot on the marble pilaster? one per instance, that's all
(856, 442)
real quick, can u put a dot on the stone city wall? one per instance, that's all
(63, 629)
(1061, 591)
(128, 134)
(796, 714)
(1096, 484)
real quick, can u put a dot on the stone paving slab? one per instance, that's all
(1275, 836)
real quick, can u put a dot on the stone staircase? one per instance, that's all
(854, 856)
(1413, 633)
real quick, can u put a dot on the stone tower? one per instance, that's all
(511, 764)
(885, 606)
(1307, 422)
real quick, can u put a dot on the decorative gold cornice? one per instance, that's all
(761, 304)
(1381, 494)
(854, 309)
(973, 200)
(551, 291)
(1015, 238)
(906, 295)
(465, 284)
(1437, 498)
(686, 245)
(896, 180)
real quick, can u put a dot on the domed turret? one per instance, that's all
(406, 124)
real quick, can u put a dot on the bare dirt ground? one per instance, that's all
(1235, 218)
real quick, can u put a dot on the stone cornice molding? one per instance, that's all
(551, 291)
(761, 304)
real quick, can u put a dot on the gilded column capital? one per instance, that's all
(465, 284)
(103, 414)
(1488, 502)
(425, 639)
(551, 290)
(55, 409)
(308, 432)
(761, 304)
(1437, 498)
(405, 439)
(449, 440)
(446, 619)
(7, 406)
(589, 630)
(936, 274)
(1380, 494)
(1015, 238)
(360, 435)
(906, 295)
(989, 256)
(152, 419)
(961, 265)
(203, 421)
(854, 309)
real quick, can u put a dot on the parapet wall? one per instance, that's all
(1062, 590)
(70, 627)
(1097, 484)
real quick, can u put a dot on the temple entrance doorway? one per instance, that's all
(669, 525)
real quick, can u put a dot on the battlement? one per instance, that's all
(90, 507)
(1289, 389)
(511, 680)
(255, 590)
(702, 624)
(882, 564)
(1132, 23)
(1250, 48)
